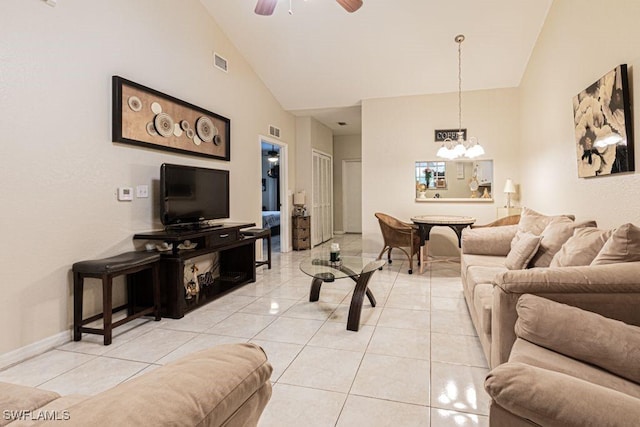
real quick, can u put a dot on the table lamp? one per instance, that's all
(509, 189)
(298, 202)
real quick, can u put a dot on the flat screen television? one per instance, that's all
(192, 195)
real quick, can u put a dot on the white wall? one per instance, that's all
(397, 132)
(580, 42)
(310, 135)
(345, 147)
(60, 169)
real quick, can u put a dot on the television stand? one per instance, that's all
(237, 257)
(191, 226)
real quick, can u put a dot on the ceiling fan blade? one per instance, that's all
(350, 5)
(265, 7)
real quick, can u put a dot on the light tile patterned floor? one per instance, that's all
(416, 360)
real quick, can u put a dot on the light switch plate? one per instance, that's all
(125, 193)
(142, 191)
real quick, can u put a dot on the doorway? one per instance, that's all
(274, 202)
(322, 198)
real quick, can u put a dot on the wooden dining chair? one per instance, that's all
(400, 235)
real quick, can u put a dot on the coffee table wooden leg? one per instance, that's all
(372, 299)
(355, 309)
(314, 295)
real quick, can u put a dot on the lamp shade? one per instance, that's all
(298, 198)
(509, 188)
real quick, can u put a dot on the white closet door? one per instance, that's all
(322, 216)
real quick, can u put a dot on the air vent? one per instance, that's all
(342, 123)
(220, 62)
(274, 131)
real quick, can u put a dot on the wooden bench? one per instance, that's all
(106, 269)
(261, 233)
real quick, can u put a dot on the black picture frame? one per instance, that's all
(134, 122)
(604, 126)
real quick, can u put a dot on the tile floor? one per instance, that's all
(416, 360)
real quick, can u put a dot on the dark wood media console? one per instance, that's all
(237, 258)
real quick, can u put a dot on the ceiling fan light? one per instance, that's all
(350, 5)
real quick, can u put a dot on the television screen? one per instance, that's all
(191, 194)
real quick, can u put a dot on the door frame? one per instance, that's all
(285, 197)
(315, 151)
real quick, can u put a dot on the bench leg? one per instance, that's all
(155, 272)
(107, 309)
(78, 286)
(269, 252)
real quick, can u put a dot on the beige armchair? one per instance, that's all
(400, 235)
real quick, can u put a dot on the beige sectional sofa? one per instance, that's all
(225, 385)
(574, 263)
(569, 368)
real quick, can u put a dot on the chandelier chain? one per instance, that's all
(460, 86)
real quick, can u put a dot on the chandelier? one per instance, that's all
(460, 148)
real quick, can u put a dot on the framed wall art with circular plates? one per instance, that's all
(145, 117)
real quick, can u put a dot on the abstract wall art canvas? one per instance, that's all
(603, 126)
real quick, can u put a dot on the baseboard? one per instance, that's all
(31, 350)
(338, 232)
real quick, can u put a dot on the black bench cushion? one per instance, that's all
(256, 232)
(116, 263)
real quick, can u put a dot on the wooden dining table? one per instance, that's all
(426, 222)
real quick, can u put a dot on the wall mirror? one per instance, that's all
(454, 180)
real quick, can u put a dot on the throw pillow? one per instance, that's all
(581, 248)
(522, 251)
(622, 246)
(553, 237)
(535, 222)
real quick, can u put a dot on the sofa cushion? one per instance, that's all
(204, 388)
(622, 246)
(522, 251)
(549, 398)
(535, 222)
(14, 397)
(478, 275)
(525, 352)
(468, 261)
(482, 302)
(579, 334)
(554, 235)
(581, 248)
(488, 240)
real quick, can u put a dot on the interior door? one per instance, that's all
(352, 195)
(322, 215)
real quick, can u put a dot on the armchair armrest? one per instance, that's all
(488, 240)
(612, 290)
(554, 399)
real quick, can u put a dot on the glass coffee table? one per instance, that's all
(359, 269)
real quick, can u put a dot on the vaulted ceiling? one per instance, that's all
(322, 61)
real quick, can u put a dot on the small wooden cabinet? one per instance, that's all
(301, 232)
